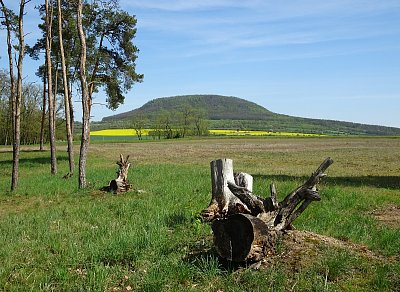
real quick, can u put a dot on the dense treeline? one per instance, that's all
(31, 114)
(180, 123)
(284, 123)
(227, 112)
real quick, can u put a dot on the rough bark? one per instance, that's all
(52, 130)
(85, 100)
(71, 108)
(121, 183)
(246, 227)
(67, 107)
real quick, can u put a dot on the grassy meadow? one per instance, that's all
(54, 237)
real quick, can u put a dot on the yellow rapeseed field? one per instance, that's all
(119, 132)
(257, 133)
(145, 132)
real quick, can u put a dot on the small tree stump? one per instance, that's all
(246, 227)
(121, 183)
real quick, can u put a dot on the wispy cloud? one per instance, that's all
(293, 8)
(261, 24)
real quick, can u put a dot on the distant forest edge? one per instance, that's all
(199, 113)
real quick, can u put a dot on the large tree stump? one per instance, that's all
(121, 183)
(223, 201)
(246, 227)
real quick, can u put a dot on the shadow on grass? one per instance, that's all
(389, 182)
(203, 259)
(33, 160)
(175, 219)
(10, 150)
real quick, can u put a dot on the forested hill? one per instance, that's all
(227, 112)
(216, 107)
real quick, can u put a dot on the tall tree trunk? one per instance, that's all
(66, 94)
(42, 122)
(85, 101)
(13, 97)
(55, 87)
(18, 98)
(50, 92)
(71, 108)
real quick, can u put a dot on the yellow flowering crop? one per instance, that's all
(145, 132)
(119, 132)
(258, 133)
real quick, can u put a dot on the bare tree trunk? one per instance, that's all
(55, 86)
(42, 122)
(50, 91)
(18, 98)
(85, 101)
(66, 95)
(13, 97)
(71, 109)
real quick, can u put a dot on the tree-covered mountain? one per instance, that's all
(227, 112)
(216, 107)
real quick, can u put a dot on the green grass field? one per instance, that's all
(56, 237)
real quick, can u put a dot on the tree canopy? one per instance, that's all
(111, 52)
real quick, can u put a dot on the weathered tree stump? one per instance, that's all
(246, 227)
(121, 183)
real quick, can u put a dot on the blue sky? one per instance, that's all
(334, 59)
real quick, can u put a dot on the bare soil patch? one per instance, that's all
(300, 248)
(389, 216)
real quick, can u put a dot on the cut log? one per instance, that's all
(245, 226)
(121, 183)
(243, 237)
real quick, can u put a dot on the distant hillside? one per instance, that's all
(216, 107)
(235, 113)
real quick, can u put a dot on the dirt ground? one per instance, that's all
(299, 249)
(389, 216)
